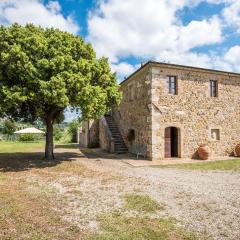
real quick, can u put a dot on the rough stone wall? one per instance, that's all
(104, 136)
(93, 133)
(194, 112)
(135, 113)
(83, 134)
(89, 134)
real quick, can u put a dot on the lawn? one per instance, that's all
(233, 164)
(142, 203)
(11, 147)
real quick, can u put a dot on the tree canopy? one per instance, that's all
(43, 71)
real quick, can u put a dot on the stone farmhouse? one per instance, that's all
(169, 110)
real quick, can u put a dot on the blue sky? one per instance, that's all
(203, 33)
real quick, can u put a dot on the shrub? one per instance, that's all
(9, 127)
(72, 130)
(28, 137)
(58, 134)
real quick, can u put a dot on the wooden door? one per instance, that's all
(168, 142)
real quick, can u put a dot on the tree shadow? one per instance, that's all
(101, 154)
(19, 161)
(68, 146)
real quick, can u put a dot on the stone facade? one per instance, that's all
(134, 111)
(148, 109)
(105, 140)
(89, 134)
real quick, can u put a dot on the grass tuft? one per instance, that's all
(116, 226)
(72, 167)
(233, 164)
(142, 203)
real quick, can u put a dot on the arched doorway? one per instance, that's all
(172, 142)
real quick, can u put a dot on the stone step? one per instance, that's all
(120, 147)
(114, 129)
(119, 141)
(116, 134)
(119, 144)
(121, 152)
(123, 147)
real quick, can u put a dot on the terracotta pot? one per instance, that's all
(237, 150)
(204, 152)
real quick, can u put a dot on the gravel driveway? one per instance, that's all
(207, 202)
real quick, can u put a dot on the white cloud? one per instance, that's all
(146, 28)
(34, 11)
(232, 57)
(199, 33)
(151, 30)
(54, 7)
(231, 14)
(123, 68)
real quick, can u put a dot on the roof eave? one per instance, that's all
(180, 66)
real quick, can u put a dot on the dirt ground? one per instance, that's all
(85, 185)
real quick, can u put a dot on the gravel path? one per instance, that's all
(207, 202)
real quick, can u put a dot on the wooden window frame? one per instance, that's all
(213, 88)
(170, 83)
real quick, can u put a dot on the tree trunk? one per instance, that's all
(49, 139)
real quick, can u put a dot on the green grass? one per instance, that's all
(12, 147)
(141, 203)
(233, 164)
(116, 226)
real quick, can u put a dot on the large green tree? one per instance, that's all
(43, 71)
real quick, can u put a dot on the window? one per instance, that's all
(131, 92)
(213, 88)
(131, 135)
(215, 134)
(172, 85)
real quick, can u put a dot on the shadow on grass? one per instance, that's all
(69, 145)
(21, 161)
(104, 155)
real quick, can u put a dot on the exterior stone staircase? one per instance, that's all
(119, 145)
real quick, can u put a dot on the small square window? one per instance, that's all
(215, 134)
